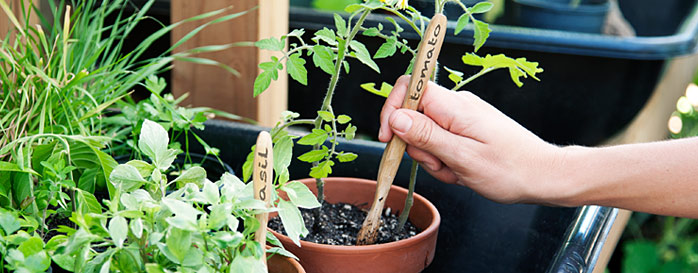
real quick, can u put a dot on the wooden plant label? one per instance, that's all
(428, 53)
(262, 179)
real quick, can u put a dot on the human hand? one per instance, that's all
(462, 139)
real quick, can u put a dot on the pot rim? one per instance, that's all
(600, 8)
(431, 229)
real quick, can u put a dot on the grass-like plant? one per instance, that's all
(65, 85)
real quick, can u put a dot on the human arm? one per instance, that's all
(463, 140)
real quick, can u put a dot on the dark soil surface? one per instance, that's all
(340, 223)
(55, 220)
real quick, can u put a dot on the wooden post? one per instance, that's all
(214, 87)
(16, 7)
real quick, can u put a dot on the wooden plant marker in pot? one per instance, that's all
(262, 185)
(427, 54)
(262, 177)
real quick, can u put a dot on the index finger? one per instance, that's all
(392, 103)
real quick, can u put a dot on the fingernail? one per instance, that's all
(402, 122)
(380, 134)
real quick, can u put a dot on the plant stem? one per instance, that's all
(410, 197)
(471, 78)
(327, 101)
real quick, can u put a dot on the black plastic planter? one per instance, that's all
(561, 15)
(476, 235)
(593, 84)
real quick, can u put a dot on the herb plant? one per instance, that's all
(329, 49)
(59, 83)
(157, 224)
(65, 110)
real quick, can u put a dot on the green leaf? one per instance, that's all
(144, 168)
(154, 268)
(371, 32)
(126, 177)
(38, 262)
(153, 140)
(300, 195)
(340, 25)
(453, 75)
(178, 243)
(283, 153)
(342, 119)
(87, 203)
(242, 263)
(31, 246)
(9, 222)
(317, 136)
(472, 59)
(322, 170)
(195, 175)
(640, 256)
(383, 92)
(280, 251)
(314, 155)
(327, 36)
(88, 179)
(482, 32)
(155, 84)
(387, 49)
(136, 226)
(352, 8)
(12, 167)
(272, 43)
(481, 7)
(323, 57)
(209, 193)
(218, 217)
(288, 116)
(248, 165)
(292, 220)
(180, 208)
(118, 230)
(361, 53)
(296, 68)
(397, 26)
(297, 32)
(346, 157)
(262, 82)
(350, 132)
(326, 116)
(517, 67)
(463, 21)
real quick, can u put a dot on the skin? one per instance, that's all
(460, 139)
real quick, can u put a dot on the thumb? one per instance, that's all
(419, 131)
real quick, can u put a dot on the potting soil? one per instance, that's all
(339, 224)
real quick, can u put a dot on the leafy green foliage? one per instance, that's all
(66, 110)
(296, 68)
(385, 90)
(482, 32)
(361, 53)
(194, 227)
(323, 58)
(329, 49)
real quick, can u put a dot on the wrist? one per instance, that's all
(565, 178)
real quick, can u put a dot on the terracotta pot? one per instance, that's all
(409, 255)
(282, 264)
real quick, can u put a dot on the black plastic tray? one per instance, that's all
(593, 84)
(476, 234)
